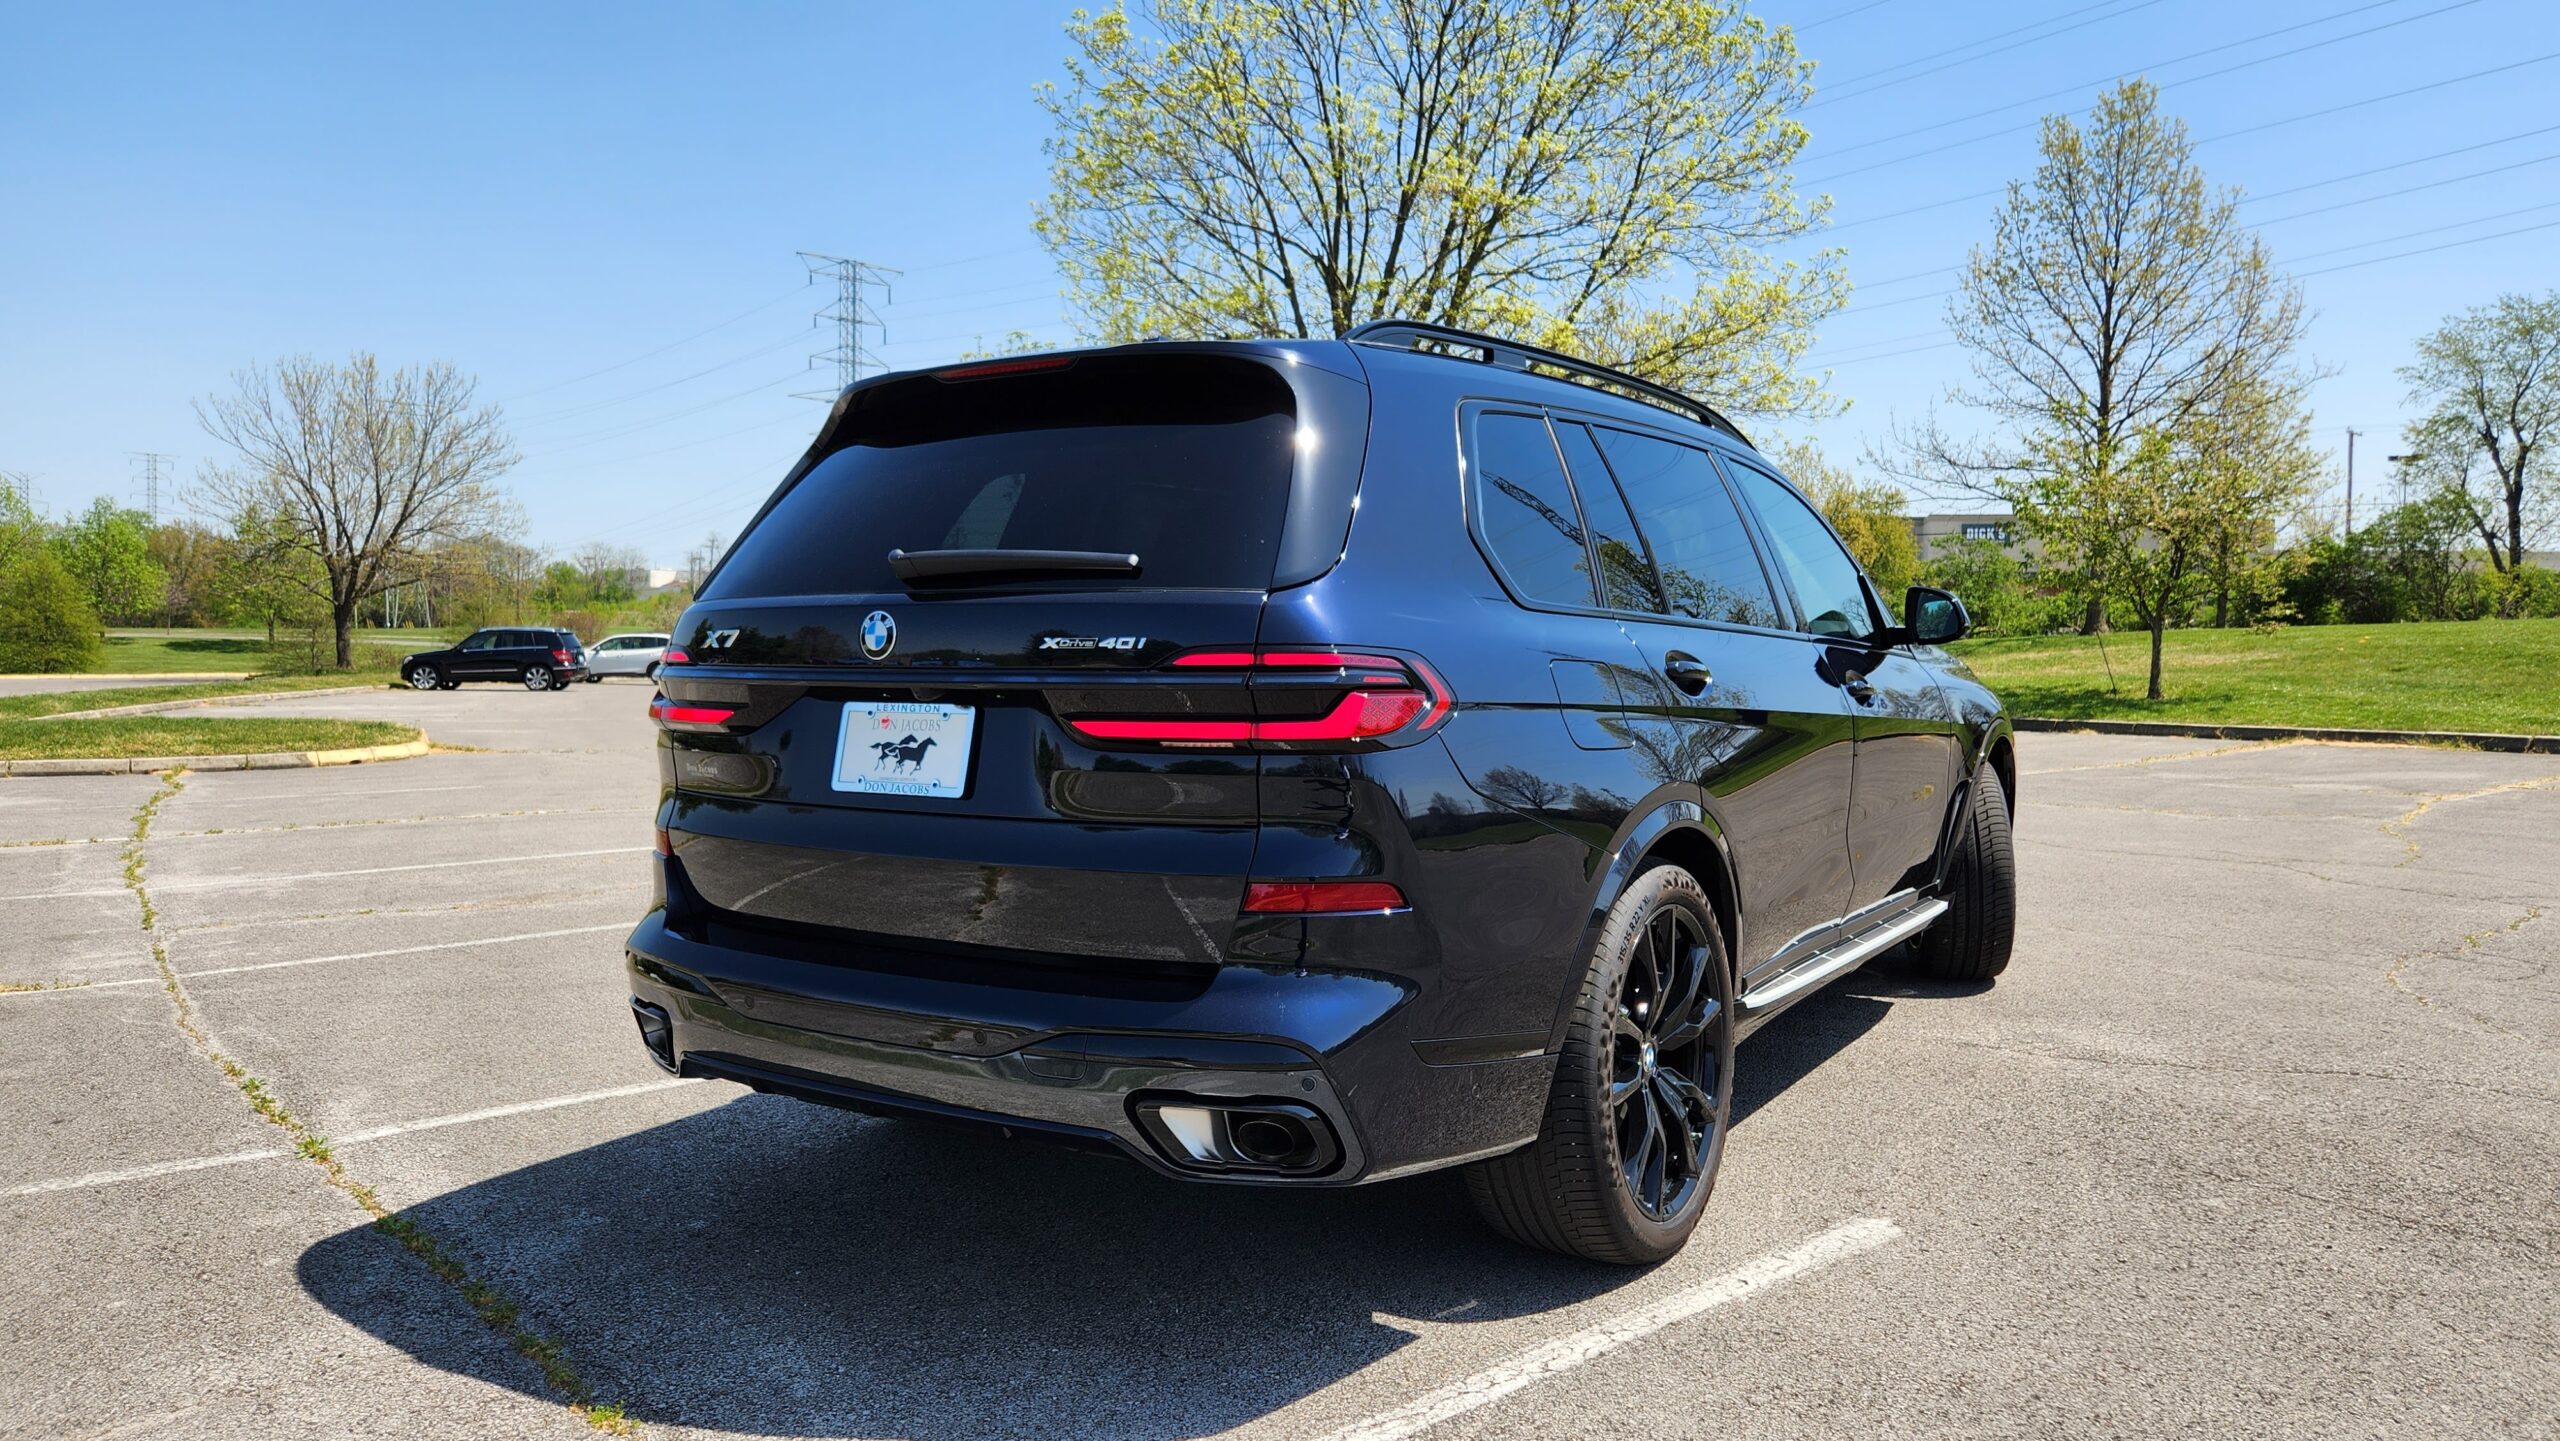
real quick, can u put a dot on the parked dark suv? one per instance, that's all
(1305, 763)
(535, 657)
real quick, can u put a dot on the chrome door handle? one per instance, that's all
(1687, 672)
(1858, 687)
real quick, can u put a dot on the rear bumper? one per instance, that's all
(1071, 1063)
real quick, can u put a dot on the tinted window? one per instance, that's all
(1708, 565)
(1626, 572)
(1185, 462)
(1826, 581)
(481, 640)
(1527, 510)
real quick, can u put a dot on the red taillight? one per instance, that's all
(677, 717)
(561, 656)
(1385, 697)
(1302, 898)
(662, 843)
(674, 655)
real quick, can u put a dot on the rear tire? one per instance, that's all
(1648, 1048)
(536, 678)
(1971, 941)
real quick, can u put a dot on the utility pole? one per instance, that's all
(2351, 480)
(851, 315)
(151, 460)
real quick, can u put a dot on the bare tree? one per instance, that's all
(2119, 295)
(2492, 379)
(365, 472)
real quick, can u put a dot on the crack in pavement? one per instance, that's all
(2400, 828)
(2118, 1058)
(498, 1312)
(2392, 976)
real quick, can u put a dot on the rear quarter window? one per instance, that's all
(1183, 459)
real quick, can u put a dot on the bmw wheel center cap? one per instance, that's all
(879, 634)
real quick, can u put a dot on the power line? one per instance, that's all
(547, 417)
(1840, 15)
(756, 309)
(2430, 230)
(2430, 249)
(2215, 74)
(1852, 85)
(2083, 86)
(2411, 189)
(2399, 164)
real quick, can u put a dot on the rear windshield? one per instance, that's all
(1183, 460)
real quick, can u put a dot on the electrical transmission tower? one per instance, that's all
(852, 314)
(151, 460)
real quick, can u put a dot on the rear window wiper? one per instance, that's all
(947, 564)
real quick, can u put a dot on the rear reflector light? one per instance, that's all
(662, 843)
(689, 717)
(561, 656)
(674, 655)
(1301, 898)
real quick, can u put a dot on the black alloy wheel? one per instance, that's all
(1670, 1064)
(1625, 1157)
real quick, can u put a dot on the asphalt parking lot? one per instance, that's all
(2258, 1137)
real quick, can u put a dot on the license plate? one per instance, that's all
(905, 748)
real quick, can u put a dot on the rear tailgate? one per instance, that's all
(897, 770)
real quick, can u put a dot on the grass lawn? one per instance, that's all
(2488, 675)
(161, 735)
(55, 702)
(155, 652)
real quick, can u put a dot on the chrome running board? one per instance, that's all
(1849, 951)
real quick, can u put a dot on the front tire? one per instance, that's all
(425, 677)
(1627, 1153)
(1971, 941)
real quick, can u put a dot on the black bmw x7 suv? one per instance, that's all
(1306, 763)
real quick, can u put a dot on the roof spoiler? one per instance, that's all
(1448, 340)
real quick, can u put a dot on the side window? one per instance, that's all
(481, 640)
(1626, 571)
(1709, 568)
(1827, 582)
(1527, 510)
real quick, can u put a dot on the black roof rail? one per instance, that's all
(1431, 339)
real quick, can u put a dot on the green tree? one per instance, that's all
(1608, 177)
(266, 579)
(362, 471)
(191, 558)
(1873, 518)
(51, 628)
(2490, 378)
(2119, 296)
(1994, 585)
(106, 549)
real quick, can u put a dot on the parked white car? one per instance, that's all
(625, 655)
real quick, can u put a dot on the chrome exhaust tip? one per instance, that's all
(1199, 1133)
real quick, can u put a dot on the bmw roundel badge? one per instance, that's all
(879, 634)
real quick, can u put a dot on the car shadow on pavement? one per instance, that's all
(773, 1268)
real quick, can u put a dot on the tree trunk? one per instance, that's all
(342, 618)
(2093, 621)
(2221, 605)
(2159, 634)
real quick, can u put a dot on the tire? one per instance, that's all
(591, 678)
(1971, 941)
(651, 673)
(426, 677)
(1602, 1180)
(536, 678)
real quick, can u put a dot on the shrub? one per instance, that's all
(51, 626)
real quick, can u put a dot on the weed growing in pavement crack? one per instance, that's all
(491, 1306)
(13, 987)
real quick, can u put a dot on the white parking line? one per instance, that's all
(242, 1158)
(1556, 1357)
(213, 883)
(322, 960)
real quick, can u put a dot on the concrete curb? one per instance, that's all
(270, 761)
(158, 706)
(175, 677)
(2476, 740)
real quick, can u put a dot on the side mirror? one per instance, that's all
(1934, 617)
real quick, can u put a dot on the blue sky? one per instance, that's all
(595, 208)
